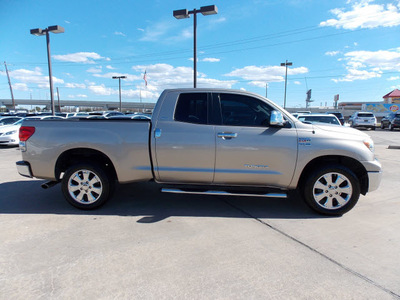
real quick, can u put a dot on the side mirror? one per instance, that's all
(276, 119)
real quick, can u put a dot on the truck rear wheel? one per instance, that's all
(86, 186)
(332, 190)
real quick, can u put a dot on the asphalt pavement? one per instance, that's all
(147, 245)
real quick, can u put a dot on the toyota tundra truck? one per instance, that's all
(204, 141)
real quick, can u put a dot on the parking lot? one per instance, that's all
(147, 245)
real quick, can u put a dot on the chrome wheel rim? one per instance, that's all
(85, 187)
(332, 191)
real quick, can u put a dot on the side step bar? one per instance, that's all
(223, 193)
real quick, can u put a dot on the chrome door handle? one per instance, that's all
(227, 135)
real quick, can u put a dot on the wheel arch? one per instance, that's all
(352, 164)
(84, 155)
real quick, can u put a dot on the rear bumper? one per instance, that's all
(24, 168)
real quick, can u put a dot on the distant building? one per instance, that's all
(392, 97)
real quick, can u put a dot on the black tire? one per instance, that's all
(382, 126)
(86, 186)
(373, 128)
(332, 190)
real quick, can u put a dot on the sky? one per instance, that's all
(349, 48)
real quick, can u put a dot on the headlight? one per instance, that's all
(9, 133)
(369, 143)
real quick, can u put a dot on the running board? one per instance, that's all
(223, 193)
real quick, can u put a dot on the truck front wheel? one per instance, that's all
(86, 186)
(332, 190)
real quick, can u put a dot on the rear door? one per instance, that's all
(248, 150)
(184, 140)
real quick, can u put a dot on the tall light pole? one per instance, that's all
(285, 64)
(38, 32)
(183, 14)
(119, 80)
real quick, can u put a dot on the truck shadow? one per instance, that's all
(146, 201)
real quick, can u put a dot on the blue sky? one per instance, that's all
(350, 48)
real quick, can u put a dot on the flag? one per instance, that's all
(145, 77)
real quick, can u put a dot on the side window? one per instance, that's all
(192, 108)
(239, 110)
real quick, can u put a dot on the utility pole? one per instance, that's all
(58, 96)
(266, 90)
(9, 83)
(285, 64)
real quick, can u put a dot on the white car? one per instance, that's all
(363, 119)
(9, 120)
(319, 118)
(9, 134)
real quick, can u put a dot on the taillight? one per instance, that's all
(25, 132)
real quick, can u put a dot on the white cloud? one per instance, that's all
(382, 59)
(354, 74)
(210, 59)
(95, 70)
(365, 14)
(110, 67)
(24, 76)
(155, 31)
(164, 76)
(119, 33)
(297, 82)
(258, 76)
(80, 57)
(332, 53)
(394, 78)
(20, 87)
(363, 65)
(77, 96)
(75, 85)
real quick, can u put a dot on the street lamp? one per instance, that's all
(38, 32)
(285, 64)
(183, 14)
(119, 80)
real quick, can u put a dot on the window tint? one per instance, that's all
(192, 108)
(238, 110)
(319, 119)
(365, 115)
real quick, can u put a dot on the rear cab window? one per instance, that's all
(192, 108)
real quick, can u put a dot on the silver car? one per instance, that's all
(363, 119)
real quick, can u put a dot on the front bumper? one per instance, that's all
(24, 168)
(9, 140)
(374, 180)
(374, 172)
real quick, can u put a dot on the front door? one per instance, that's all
(248, 150)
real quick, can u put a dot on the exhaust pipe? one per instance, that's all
(49, 184)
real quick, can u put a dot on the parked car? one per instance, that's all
(363, 119)
(45, 118)
(106, 114)
(133, 117)
(391, 121)
(319, 118)
(9, 134)
(8, 120)
(338, 115)
(70, 115)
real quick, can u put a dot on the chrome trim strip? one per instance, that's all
(205, 170)
(223, 193)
